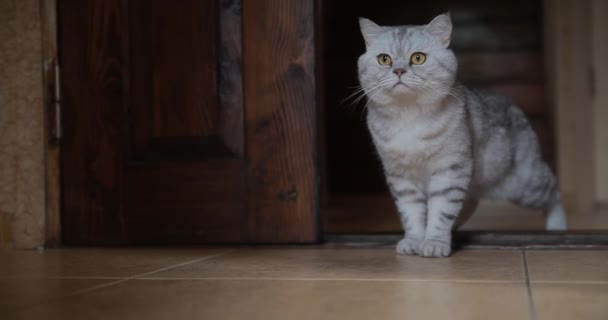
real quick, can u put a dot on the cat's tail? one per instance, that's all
(555, 219)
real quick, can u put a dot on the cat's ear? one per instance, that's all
(370, 30)
(441, 27)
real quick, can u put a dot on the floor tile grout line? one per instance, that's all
(572, 282)
(328, 279)
(61, 277)
(93, 288)
(125, 279)
(79, 278)
(559, 282)
(67, 295)
(182, 264)
(112, 283)
(531, 305)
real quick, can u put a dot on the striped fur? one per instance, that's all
(444, 146)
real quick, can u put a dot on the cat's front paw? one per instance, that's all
(435, 249)
(408, 246)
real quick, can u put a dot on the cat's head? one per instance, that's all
(407, 63)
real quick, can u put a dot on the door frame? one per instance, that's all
(567, 28)
(52, 122)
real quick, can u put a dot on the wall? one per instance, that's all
(600, 103)
(22, 202)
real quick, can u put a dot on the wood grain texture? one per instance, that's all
(230, 59)
(497, 36)
(193, 202)
(173, 69)
(147, 71)
(398, 12)
(187, 180)
(483, 67)
(92, 151)
(280, 119)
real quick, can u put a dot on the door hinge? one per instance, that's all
(55, 112)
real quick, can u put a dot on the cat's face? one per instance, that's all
(405, 63)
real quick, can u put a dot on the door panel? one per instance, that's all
(155, 147)
(93, 115)
(280, 93)
(173, 72)
(187, 203)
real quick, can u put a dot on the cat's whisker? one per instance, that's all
(370, 98)
(354, 93)
(360, 93)
(437, 86)
(371, 93)
(373, 90)
(355, 98)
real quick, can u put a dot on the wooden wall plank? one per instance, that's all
(280, 102)
(496, 36)
(483, 68)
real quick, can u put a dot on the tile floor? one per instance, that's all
(316, 282)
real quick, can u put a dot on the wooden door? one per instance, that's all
(188, 121)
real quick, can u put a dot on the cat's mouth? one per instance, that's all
(399, 83)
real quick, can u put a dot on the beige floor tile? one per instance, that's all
(568, 266)
(358, 264)
(94, 262)
(571, 301)
(16, 293)
(293, 300)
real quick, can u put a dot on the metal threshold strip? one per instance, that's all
(491, 239)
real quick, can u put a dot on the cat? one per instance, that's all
(443, 146)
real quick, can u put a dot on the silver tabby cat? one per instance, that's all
(444, 146)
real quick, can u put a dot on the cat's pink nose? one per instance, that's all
(399, 71)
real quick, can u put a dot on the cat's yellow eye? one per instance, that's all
(384, 59)
(418, 58)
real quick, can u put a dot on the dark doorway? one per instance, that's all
(499, 45)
